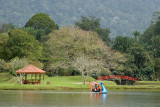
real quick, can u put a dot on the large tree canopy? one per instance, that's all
(122, 43)
(21, 44)
(66, 44)
(93, 24)
(69, 44)
(42, 21)
(3, 43)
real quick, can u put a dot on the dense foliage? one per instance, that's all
(3, 45)
(93, 24)
(69, 46)
(21, 44)
(42, 21)
(143, 50)
(81, 49)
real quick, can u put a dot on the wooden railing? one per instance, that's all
(117, 76)
(31, 81)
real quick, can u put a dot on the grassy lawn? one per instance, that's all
(147, 83)
(67, 83)
(4, 77)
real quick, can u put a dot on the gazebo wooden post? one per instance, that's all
(40, 77)
(35, 78)
(43, 77)
(31, 78)
(25, 77)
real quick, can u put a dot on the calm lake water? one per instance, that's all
(78, 99)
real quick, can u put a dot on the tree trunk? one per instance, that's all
(52, 73)
(84, 80)
(9, 76)
(82, 74)
(21, 81)
(43, 77)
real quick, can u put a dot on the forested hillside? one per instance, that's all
(83, 49)
(48, 41)
(122, 17)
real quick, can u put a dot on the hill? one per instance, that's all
(121, 16)
(4, 79)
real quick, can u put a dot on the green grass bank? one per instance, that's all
(71, 83)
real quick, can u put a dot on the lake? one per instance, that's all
(17, 98)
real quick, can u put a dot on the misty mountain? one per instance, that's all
(122, 17)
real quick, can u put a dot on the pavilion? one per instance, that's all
(30, 69)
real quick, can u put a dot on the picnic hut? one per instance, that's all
(32, 70)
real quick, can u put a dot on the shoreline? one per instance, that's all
(73, 83)
(51, 87)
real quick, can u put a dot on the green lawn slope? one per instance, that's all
(67, 83)
(4, 79)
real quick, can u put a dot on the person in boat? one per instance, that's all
(97, 88)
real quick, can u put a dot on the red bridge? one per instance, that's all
(117, 76)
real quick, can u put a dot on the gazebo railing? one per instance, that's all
(31, 81)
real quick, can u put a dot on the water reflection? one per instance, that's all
(98, 96)
(31, 97)
(95, 97)
(78, 99)
(104, 96)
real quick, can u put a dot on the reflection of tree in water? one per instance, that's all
(30, 98)
(100, 99)
(98, 96)
(57, 99)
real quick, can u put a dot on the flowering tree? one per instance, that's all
(83, 50)
(16, 64)
(87, 65)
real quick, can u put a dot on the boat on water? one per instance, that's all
(97, 88)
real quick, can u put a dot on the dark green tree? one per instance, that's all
(148, 34)
(3, 43)
(142, 61)
(157, 68)
(155, 46)
(39, 34)
(4, 28)
(139, 53)
(156, 21)
(21, 44)
(89, 23)
(122, 43)
(151, 39)
(93, 23)
(42, 21)
(136, 34)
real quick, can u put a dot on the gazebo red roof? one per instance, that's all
(30, 69)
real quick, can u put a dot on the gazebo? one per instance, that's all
(30, 69)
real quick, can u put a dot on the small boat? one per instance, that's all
(98, 88)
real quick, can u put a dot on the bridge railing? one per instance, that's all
(116, 76)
